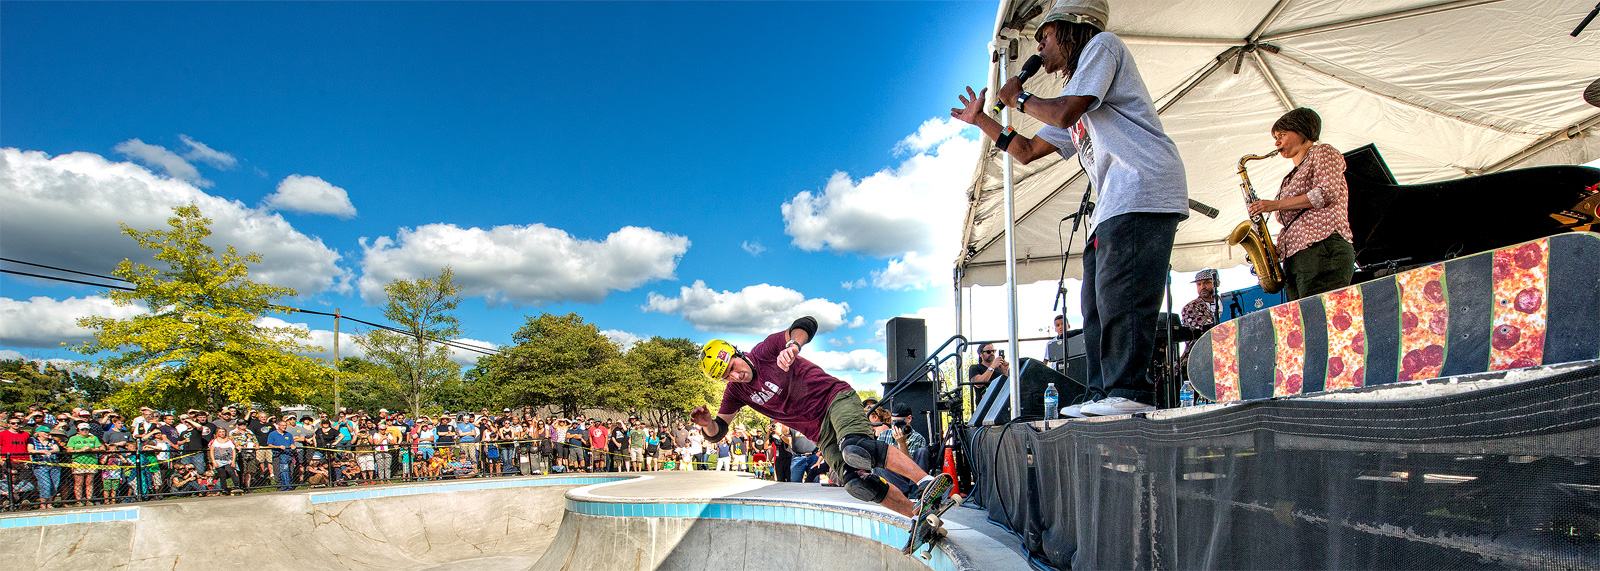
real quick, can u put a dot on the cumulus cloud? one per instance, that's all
(311, 195)
(753, 248)
(64, 211)
(858, 284)
(159, 157)
(857, 361)
(910, 214)
(622, 338)
(69, 364)
(930, 134)
(755, 310)
(45, 322)
(199, 151)
(533, 264)
(857, 322)
(844, 342)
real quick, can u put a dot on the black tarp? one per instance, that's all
(1503, 477)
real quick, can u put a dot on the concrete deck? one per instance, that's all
(657, 520)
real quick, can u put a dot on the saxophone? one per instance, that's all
(1254, 236)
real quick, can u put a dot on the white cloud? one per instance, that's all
(198, 151)
(623, 338)
(753, 248)
(930, 134)
(911, 213)
(755, 310)
(857, 361)
(79, 366)
(857, 322)
(158, 156)
(533, 264)
(64, 211)
(322, 340)
(469, 358)
(47, 323)
(311, 195)
(844, 342)
(858, 284)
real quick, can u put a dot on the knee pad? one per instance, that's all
(865, 486)
(863, 452)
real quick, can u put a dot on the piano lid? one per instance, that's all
(1425, 223)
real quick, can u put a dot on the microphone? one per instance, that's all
(1028, 69)
(1202, 208)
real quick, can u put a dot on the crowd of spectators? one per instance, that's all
(85, 457)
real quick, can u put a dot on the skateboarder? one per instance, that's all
(774, 380)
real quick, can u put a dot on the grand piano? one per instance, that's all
(1398, 227)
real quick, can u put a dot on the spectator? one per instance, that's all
(366, 462)
(44, 450)
(260, 427)
(617, 448)
(381, 455)
(111, 475)
(317, 473)
(575, 448)
(83, 470)
(224, 461)
(805, 456)
(637, 441)
(597, 444)
(196, 439)
(782, 454)
(245, 443)
(724, 456)
(14, 441)
(445, 432)
(739, 445)
(282, 445)
(14, 486)
(159, 449)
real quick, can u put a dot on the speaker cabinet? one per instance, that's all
(995, 406)
(907, 339)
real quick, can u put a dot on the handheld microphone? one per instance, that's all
(1028, 69)
(1203, 208)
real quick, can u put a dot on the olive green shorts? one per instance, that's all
(846, 415)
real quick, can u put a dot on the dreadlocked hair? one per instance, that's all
(1072, 36)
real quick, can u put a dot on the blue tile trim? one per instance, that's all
(861, 526)
(327, 497)
(128, 514)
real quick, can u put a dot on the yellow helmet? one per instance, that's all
(718, 354)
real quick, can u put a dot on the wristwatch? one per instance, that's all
(1022, 99)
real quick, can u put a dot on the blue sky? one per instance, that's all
(675, 169)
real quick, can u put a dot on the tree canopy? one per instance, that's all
(423, 310)
(200, 343)
(24, 382)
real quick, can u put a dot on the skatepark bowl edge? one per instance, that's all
(655, 520)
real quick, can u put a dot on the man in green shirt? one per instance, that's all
(636, 444)
(84, 466)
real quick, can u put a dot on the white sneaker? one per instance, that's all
(1076, 411)
(1114, 406)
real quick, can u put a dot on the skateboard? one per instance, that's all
(927, 528)
(1524, 305)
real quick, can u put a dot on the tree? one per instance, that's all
(670, 379)
(422, 308)
(199, 345)
(560, 360)
(26, 382)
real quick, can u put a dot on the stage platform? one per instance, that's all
(653, 520)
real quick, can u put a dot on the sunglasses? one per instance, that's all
(989, 352)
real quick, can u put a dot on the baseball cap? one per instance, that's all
(83, 426)
(1206, 274)
(901, 409)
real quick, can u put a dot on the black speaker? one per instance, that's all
(995, 405)
(907, 340)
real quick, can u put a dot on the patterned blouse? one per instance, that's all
(1199, 313)
(1319, 177)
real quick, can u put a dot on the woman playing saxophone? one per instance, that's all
(1313, 205)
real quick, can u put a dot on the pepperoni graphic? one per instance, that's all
(1434, 291)
(1524, 363)
(1335, 366)
(1505, 337)
(1528, 256)
(1529, 300)
(1296, 339)
(1408, 321)
(1412, 362)
(1341, 321)
(1433, 356)
(1359, 343)
(1295, 383)
(1440, 323)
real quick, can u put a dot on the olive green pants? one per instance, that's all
(846, 415)
(1321, 267)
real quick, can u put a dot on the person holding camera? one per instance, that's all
(991, 366)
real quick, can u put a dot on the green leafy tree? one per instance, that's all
(24, 382)
(199, 345)
(422, 309)
(671, 383)
(560, 360)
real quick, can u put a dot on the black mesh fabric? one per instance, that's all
(1496, 478)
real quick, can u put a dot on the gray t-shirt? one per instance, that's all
(1132, 164)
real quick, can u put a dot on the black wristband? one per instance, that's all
(1005, 138)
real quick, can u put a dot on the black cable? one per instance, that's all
(284, 308)
(61, 279)
(63, 270)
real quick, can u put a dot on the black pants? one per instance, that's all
(1124, 273)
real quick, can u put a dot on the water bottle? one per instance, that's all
(1052, 402)
(1186, 394)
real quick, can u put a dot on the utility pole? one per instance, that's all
(336, 361)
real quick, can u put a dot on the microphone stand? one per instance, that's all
(1085, 209)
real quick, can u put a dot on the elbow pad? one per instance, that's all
(806, 324)
(722, 429)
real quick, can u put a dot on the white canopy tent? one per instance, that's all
(1445, 90)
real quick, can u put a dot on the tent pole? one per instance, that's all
(1011, 258)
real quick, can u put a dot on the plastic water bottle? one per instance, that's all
(1052, 402)
(1186, 395)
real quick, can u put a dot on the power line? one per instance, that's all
(446, 342)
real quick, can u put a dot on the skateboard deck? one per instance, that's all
(926, 528)
(1524, 305)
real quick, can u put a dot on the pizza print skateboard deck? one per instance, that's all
(1530, 304)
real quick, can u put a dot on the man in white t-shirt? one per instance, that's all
(1105, 117)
